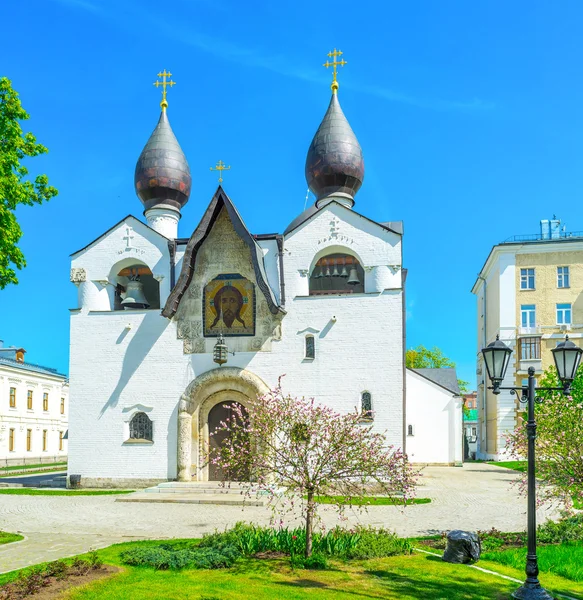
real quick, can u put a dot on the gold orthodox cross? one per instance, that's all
(335, 63)
(220, 168)
(164, 83)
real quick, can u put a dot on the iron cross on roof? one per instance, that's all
(220, 168)
(335, 63)
(164, 83)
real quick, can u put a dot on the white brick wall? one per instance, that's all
(120, 360)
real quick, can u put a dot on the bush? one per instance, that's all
(493, 539)
(315, 562)
(166, 556)
(378, 543)
(566, 529)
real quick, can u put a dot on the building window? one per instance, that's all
(410, 430)
(336, 274)
(45, 401)
(366, 405)
(62, 406)
(563, 314)
(60, 440)
(474, 431)
(29, 399)
(527, 279)
(44, 440)
(528, 315)
(310, 347)
(11, 440)
(12, 397)
(141, 427)
(530, 348)
(28, 439)
(563, 277)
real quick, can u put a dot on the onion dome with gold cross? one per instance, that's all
(334, 165)
(162, 176)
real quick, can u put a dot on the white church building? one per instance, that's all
(322, 304)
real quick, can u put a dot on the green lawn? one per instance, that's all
(6, 538)
(370, 500)
(515, 465)
(565, 560)
(32, 472)
(15, 468)
(415, 577)
(51, 492)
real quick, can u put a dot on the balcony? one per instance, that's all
(536, 330)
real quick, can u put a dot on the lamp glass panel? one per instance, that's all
(489, 359)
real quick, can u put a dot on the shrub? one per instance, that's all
(165, 556)
(566, 529)
(315, 562)
(79, 567)
(493, 539)
(57, 568)
(95, 560)
(378, 543)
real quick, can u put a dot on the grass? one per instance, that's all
(565, 560)
(50, 492)
(515, 465)
(32, 472)
(370, 500)
(15, 468)
(413, 577)
(7, 538)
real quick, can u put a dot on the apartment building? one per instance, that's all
(34, 411)
(529, 293)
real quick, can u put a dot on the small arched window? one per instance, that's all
(141, 427)
(136, 288)
(310, 347)
(337, 274)
(410, 430)
(366, 405)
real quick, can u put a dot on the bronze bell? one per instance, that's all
(335, 272)
(344, 272)
(135, 294)
(353, 279)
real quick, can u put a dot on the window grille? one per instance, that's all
(530, 348)
(366, 405)
(141, 427)
(310, 347)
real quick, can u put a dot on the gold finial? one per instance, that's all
(164, 83)
(334, 55)
(220, 168)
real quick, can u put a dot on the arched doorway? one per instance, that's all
(223, 412)
(225, 385)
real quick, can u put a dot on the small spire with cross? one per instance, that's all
(334, 63)
(220, 168)
(164, 83)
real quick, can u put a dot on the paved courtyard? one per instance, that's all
(476, 496)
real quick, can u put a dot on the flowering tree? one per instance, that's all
(311, 451)
(559, 442)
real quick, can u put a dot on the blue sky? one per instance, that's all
(469, 115)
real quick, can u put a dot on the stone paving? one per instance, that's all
(476, 496)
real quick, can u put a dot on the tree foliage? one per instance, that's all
(311, 451)
(15, 189)
(559, 441)
(426, 358)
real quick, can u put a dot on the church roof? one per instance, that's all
(113, 227)
(220, 200)
(24, 366)
(445, 378)
(162, 176)
(394, 226)
(334, 164)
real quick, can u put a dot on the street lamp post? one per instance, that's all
(567, 358)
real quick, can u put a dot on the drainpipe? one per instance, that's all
(172, 252)
(279, 239)
(485, 388)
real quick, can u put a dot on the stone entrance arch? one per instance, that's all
(208, 389)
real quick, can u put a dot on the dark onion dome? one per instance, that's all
(162, 177)
(334, 165)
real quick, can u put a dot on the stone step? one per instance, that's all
(219, 499)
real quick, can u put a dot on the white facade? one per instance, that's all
(34, 412)
(129, 361)
(432, 408)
